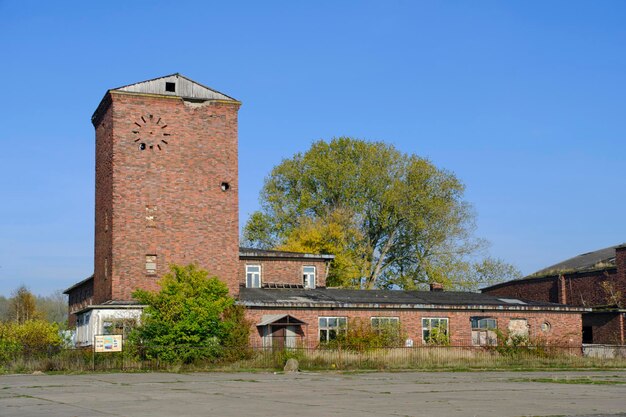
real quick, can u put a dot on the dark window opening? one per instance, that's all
(171, 87)
(225, 186)
(587, 334)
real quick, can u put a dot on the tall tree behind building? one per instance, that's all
(22, 305)
(391, 219)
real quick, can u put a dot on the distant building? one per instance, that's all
(595, 280)
(167, 193)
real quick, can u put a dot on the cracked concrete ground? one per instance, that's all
(449, 394)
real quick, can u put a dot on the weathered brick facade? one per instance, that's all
(599, 289)
(283, 271)
(80, 296)
(167, 193)
(564, 328)
(165, 200)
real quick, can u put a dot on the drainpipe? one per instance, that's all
(562, 289)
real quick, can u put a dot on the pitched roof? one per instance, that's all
(181, 86)
(338, 298)
(599, 259)
(79, 283)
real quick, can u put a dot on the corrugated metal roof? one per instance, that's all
(176, 85)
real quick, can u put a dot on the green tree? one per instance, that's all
(190, 318)
(391, 219)
(23, 305)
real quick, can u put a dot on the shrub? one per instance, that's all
(439, 336)
(30, 338)
(360, 335)
(192, 318)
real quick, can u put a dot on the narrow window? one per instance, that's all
(308, 279)
(253, 276)
(171, 87)
(331, 327)
(151, 264)
(435, 330)
(106, 268)
(483, 331)
(106, 220)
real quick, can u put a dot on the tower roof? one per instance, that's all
(175, 85)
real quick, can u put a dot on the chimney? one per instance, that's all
(436, 286)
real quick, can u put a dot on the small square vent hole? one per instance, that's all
(171, 87)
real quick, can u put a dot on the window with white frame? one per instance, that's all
(151, 264)
(434, 330)
(253, 276)
(308, 276)
(483, 331)
(385, 322)
(331, 327)
(386, 325)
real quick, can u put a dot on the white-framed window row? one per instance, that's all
(435, 329)
(308, 276)
(483, 331)
(253, 276)
(331, 327)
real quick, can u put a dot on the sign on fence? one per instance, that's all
(109, 343)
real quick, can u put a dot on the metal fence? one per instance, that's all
(419, 358)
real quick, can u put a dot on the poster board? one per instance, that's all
(108, 343)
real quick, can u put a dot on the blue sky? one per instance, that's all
(524, 101)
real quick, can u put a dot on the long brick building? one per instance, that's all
(167, 193)
(595, 280)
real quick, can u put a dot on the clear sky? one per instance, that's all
(524, 101)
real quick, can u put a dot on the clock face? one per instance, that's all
(151, 132)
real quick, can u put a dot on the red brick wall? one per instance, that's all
(180, 185)
(565, 328)
(608, 328)
(581, 289)
(283, 271)
(78, 298)
(587, 290)
(544, 289)
(104, 198)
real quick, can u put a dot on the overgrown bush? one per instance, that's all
(191, 319)
(31, 338)
(439, 336)
(360, 335)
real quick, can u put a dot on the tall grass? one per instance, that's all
(416, 358)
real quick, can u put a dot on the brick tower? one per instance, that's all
(166, 185)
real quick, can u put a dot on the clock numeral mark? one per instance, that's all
(158, 121)
(167, 134)
(137, 140)
(142, 118)
(165, 142)
(163, 127)
(150, 116)
(135, 131)
(137, 124)
(159, 146)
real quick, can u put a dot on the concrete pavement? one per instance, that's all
(448, 394)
